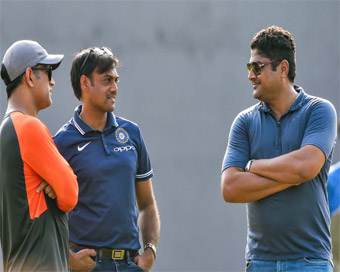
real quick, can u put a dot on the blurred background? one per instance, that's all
(183, 79)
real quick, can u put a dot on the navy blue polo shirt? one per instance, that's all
(293, 223)
(107, 165)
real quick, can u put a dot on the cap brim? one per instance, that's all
(53, 60)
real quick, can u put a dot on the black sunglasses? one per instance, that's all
(257, 67)
(97, 51)
(48, 69)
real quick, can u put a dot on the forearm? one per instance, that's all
(238, 186)
(67, 192)
(61, 178)
(295, 167)
(149, 223)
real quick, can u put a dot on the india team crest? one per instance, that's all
(122, 136)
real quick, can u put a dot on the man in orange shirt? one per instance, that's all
(34, 230)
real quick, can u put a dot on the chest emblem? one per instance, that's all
(122, 136)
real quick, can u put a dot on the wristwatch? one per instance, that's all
(152, 247)
(247, 168)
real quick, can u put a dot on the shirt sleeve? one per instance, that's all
(40, 153)
(237, 153)
(321, 127)
(144, 169)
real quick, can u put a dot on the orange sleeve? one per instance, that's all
(40, 153)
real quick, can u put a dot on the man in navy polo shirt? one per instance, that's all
(110, 159)
(277, 159)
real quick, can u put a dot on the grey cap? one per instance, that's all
(25, 53)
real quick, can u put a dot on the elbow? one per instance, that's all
(68, 204)
(228, 196)
(73, 200)
(306, 172)
(230, 185)
(72, 203)
(228, 193)
(69, 199)
(305, 176)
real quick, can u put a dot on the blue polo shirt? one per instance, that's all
(107, 165)
(333, 188)
(293, 223)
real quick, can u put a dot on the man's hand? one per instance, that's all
(48, 190)
(81, 260)
(145, 260)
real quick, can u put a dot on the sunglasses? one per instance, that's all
(97, 51)
(257, 67)
(48, 69)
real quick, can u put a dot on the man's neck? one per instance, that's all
(96, 120)
(21, 101)
(285, 99)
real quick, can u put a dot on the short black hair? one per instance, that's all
(10, 85)
(275, 43)
(94, 61)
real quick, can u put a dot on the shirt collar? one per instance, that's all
(296, 105)
(299, 100)
(83, 128)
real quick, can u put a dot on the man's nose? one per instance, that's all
(52, 82)
(251, 75)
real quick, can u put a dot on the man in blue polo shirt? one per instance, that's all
(277, 159)
(110, 159)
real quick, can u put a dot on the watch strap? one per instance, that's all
(152, 247)
(248, 165)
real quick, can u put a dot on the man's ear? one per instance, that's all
(84, 82)
(284, 68)
(29, 77)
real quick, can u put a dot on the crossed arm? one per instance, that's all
(41, 154)
(269, 176)
(295, 167)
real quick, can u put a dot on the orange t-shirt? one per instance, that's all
(34, 230)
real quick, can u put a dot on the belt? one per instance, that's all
(113, 254)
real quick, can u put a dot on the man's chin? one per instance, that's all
(256, 94)
(111, 109)
(48, 104)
